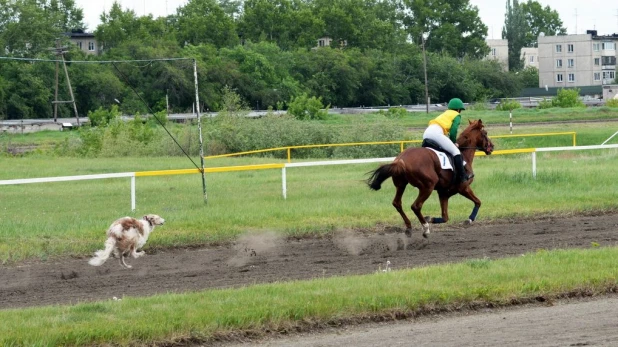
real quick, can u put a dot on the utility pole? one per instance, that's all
(59, 51)
(425, 68)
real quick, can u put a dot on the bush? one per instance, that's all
(479, 106)
(611, 103)
(102, 117)
(568, 98)
(395, 113)
(508, 105)
(545, 104)
(304, 107)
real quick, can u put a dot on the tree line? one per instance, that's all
(264, 50)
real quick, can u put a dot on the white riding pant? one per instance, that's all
(435, 132)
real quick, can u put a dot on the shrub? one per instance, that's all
(395, 113)
(611, 103)
(479, 106)
(545, 103)
(567, 98)
(508, 105)
(102, 117)
(304, 107)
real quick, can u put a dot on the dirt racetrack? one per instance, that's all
(259, 258)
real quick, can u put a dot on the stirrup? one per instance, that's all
(466, 177)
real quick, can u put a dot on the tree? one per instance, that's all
(539, 20)
(29, 27)
(454, 27)
(514, 31)
(204, 21)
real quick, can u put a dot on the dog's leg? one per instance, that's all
(123, 263)
(138, 254)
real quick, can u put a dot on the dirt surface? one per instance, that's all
(258, 258)
(565, 323)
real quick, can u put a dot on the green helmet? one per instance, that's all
(456, 104)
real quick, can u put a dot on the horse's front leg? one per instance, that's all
(468, 193)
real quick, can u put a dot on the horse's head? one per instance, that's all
(476, 136)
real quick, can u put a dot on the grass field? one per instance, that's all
(302, 304)
(71, 216)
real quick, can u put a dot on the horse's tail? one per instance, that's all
(385, 171)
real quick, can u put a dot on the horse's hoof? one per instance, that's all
(426, 230)
(409, 232)
(468, 222)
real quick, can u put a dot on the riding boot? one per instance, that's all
(462, 176)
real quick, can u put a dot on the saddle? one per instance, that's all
(429, 143)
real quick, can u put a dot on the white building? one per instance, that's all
(499, 50)
(577, 60)
(530, 56)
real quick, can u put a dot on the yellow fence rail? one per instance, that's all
(401, 145)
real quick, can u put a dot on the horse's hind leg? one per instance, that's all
(423, 195)
(401, 187)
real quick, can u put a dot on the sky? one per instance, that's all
(577, 15)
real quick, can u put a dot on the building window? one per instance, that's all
(596, 47)
(558, 62)
(91, 46)
(559, 77)
(597, 76)
(570, 48)
(571, 77)
(597, 61)
(609, 46)
(79, 44)
(558, 48)
(571, 62)
(532, 59)
(609, 60)
(609, 75)
(493, 52)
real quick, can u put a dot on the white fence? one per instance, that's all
(283, 168)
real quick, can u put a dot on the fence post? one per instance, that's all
(284, 183)
(534, 165)
(133, 192)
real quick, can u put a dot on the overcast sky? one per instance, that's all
(577, 15)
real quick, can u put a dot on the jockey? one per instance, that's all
(447, 124)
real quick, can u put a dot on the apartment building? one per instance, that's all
(530, 56)
(577, 60)
(499, 50)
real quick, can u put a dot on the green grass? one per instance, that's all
(298, 304)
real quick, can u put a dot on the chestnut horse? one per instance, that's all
(421, 168)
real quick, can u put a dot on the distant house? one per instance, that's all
(499, 51)
(84, 41)
(327, 41)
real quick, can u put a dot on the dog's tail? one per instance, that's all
(101, 256)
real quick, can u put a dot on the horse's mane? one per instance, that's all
(474, 125)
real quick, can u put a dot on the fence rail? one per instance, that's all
(283, 168)
(401, 143)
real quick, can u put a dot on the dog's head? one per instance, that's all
(154, 219)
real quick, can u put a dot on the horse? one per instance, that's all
(420, 167)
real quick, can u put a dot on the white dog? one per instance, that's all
(125, 236)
